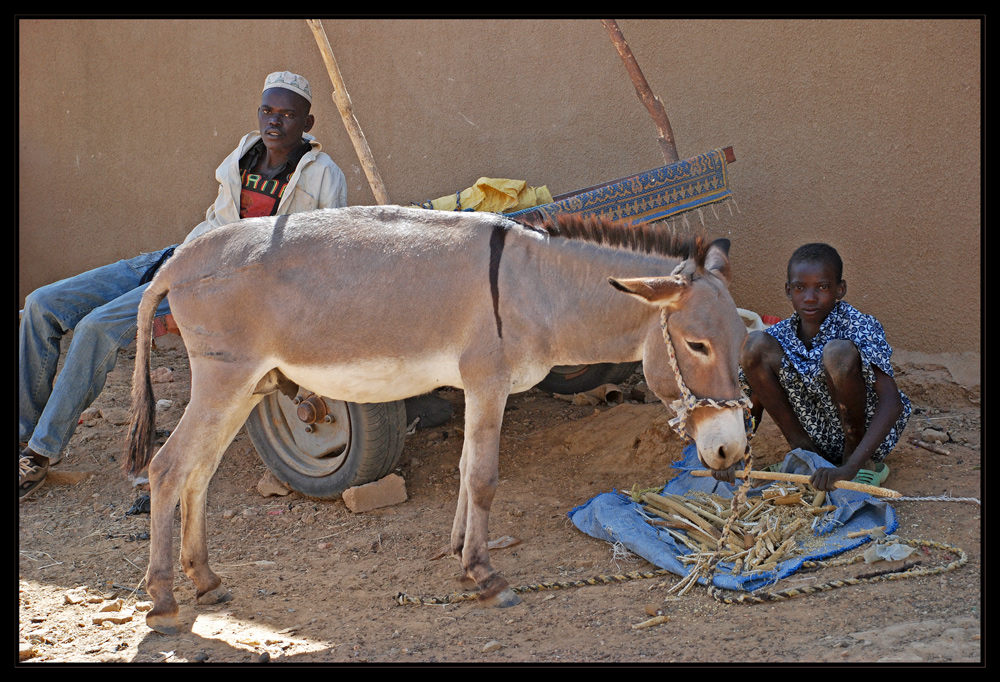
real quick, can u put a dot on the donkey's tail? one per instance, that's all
(142, 414)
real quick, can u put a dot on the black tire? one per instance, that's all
(570, 379)
(362, 444)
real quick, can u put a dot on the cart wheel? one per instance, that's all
(336, 446)
(570, 379)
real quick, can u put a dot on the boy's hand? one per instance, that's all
(825, 477)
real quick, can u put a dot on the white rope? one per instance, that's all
(940, 498)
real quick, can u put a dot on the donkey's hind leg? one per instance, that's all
(166, 473)
(228, 413)
(182, 470)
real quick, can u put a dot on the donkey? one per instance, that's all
(379, 303)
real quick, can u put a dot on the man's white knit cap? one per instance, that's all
(289, 81)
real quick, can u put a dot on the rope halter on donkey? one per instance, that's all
(683, 407)
(687, 403)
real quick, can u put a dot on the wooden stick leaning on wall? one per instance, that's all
(343, 102)
(653, 104)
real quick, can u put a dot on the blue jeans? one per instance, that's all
(101, 307)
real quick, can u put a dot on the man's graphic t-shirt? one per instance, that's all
(260, 194)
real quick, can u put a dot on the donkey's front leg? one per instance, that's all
(457, 543)
(479, 471)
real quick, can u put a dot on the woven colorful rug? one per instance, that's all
(654, 195)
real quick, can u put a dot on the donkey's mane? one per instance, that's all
(645, 238)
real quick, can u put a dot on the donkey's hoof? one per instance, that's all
(217, 596)
(465, 581)
(506, 598)
(495, 591)
(165, 624)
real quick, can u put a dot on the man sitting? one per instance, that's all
(275, 171)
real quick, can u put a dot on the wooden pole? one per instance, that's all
(343, 102)
(653, 103)
(802, 478)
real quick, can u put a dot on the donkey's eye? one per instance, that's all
(698, 347)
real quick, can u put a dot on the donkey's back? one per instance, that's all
(364, 304)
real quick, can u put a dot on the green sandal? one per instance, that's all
(876, 477)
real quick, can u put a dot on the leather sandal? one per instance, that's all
(31, 473)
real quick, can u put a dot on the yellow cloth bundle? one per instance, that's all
(496, 195)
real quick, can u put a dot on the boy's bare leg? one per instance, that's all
(842, 364)
(761, 362)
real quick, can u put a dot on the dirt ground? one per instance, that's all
(315, 583)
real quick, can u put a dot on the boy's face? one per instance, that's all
(814, 291)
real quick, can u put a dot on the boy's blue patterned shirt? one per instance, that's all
(804, 381)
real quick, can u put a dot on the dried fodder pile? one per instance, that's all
(774, 527)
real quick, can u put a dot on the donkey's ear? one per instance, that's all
(658, 291)
(717, 260)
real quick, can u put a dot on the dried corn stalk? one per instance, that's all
(766, 531)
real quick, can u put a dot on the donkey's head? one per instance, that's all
(707, 334)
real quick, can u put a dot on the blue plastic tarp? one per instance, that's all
(614, 517)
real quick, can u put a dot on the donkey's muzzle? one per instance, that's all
(721, 437)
